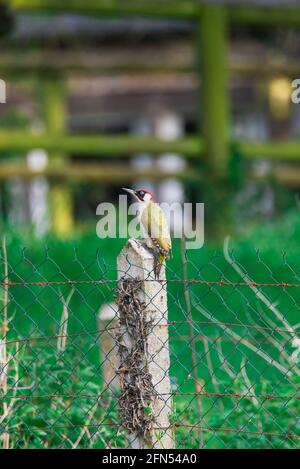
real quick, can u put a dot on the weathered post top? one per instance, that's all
(145, 402)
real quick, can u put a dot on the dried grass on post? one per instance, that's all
(136, 381)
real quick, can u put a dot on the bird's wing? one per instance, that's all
(155, 223)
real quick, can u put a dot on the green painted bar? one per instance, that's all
(287, 175)
(184, 9)
(52, 93)
(125, 146)
(272, 16)
(98, 145)
(274, 150)
(53, 99)
(212, 42)
(214, 118)
(173, 9)
(93, 172)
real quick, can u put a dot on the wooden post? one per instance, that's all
(54, 114)
(144, 350)
(212, 29)
(107, 322)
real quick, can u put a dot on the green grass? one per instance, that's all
(269, 254)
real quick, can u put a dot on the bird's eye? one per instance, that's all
(142, 193)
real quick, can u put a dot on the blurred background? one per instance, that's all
(190, 99)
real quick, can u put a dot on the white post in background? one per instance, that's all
(37, 160)
(143, 161)
(170, 126)
(2, 92)
(135, 265)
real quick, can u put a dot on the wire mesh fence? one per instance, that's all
(233, 340)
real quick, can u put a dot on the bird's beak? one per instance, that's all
(130, 191)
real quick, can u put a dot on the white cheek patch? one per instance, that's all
(147, 198)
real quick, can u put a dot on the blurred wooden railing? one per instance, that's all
(211, 145)
(180, 9)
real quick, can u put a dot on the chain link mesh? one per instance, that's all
(233, 340)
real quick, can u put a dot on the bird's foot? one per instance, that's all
(157, 264)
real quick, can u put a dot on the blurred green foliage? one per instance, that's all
(268, 254)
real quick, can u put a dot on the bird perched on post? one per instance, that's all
(155, 225)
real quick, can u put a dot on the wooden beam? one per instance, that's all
(264, 66)
(275, 151)
(268, 16)
(284, 174)
(287, 175)
(110, 59)
(214, 117)
(172, 60)
(187, 9)
(124, 146)
(172, 9)
(93, 172)
(214, 97)
(98, 145)
(53, 103)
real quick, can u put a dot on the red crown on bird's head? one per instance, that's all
(141, 193)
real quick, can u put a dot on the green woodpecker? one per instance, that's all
(155, 226)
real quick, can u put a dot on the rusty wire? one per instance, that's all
(125, 410)
(179, 280)
(170, 323)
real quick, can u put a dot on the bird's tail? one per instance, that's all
(162, 258)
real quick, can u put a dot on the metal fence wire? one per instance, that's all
(233, 339)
